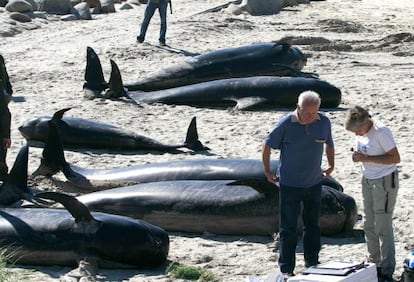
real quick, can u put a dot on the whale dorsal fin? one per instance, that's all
(191, 140)
(116, 88)
(59, 114)
(77, 209)
(93, 73)
(14, 187)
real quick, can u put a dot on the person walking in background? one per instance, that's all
(152, 5)
(5, 117)
(378, 155)
(301, 137)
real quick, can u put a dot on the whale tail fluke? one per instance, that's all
(191, 140)
(94, 77)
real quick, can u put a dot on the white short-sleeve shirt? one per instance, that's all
(377, 141)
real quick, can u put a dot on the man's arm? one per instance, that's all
(330, 155)
(271, 177)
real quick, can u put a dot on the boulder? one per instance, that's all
(262, 7)
(81, 11)
(20, 6)
(93, 3)
(107, 6)
(20, 17)
(58, 7)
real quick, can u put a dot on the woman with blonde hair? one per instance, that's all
(378, 155)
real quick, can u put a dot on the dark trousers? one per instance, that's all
(3, 166)
(149, 12)
(291, 200)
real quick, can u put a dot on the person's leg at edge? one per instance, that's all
(371, 237)
(163, 19)
(3, 166)
(311, 228)
(289, 208)
(384, 208)
(149, 12)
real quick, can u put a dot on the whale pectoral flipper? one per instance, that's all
(249, 102)
(260, 185)
(77, 209)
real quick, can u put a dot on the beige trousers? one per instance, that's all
(379, 197)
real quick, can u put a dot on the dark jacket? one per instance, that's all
(5, 93)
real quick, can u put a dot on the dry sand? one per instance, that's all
(367, 57)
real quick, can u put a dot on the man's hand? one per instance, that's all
(6, 143)
(327, 172)
(271, 177)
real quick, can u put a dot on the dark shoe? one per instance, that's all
(139, 39)
(378, 271)
(162, 43)
(385, 278)
(309, 264)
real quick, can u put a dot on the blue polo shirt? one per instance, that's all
(301, 149)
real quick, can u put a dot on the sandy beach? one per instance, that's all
(365, 47)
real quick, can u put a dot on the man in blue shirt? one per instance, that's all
(301, 137)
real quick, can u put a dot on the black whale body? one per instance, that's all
(53, 160)
(244, 93)
(216, 206)
(85, 133)
(45, 236)
(275, 59)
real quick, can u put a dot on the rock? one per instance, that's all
(20, 6)
(20, 17)
(39, 15)
(93, 3)
(69, 17)
(262, 7)
(34, 4)
(58, 7)
(125, 6)
(82, 11)
(75, 2)
(107, 6)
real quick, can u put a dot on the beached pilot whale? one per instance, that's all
(45, 236)
(248, 206)
(243, 93)
(216, 206)
(85, 133)
(273, 58)
(53, 160)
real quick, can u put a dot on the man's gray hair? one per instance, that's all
(309, 97)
